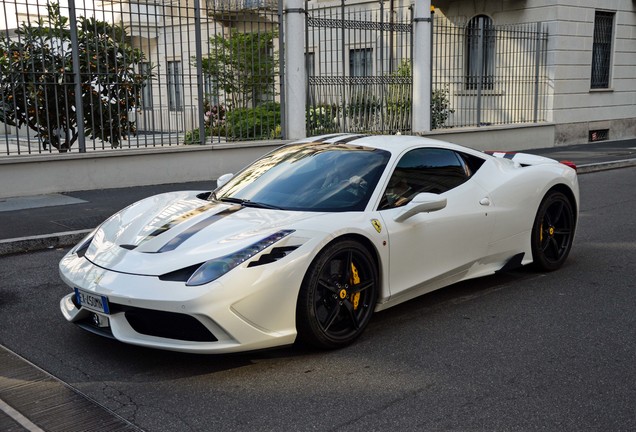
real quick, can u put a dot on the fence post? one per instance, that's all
(199, 67)
(79, 106)
(422, 66)
(537, 58)
(295, 73)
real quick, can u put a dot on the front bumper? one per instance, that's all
(246, 309)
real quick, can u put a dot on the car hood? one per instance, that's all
(170, 231)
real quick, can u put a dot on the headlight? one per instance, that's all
(214, 269)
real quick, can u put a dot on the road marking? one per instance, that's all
(19, 418)
(37, 201)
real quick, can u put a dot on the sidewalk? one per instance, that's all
(49, 221)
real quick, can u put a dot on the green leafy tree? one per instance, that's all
(37, 80)
(243, 66)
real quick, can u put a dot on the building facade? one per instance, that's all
(591, 60)
(567, 64)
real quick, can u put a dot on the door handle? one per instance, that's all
(484, 201)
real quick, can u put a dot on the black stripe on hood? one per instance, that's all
(178, 240)
(349, 138)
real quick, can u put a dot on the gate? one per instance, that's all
(359, 68)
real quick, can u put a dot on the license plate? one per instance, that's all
(97, 303)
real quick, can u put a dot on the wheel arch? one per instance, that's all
(569, 194)
(363, 240)
(560, 248)
(308, 324)
(368, 244)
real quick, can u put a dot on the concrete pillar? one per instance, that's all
(295, 73)
(422, 66)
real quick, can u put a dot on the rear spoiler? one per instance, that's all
(525, 159)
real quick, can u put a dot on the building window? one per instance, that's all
(145, 69)
(602, 49)
(266, 92)
(211, 89)
(310, 63)
(175, 102)
(361, 62)
(480, 53)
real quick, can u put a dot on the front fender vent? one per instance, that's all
(276, 254)
(181, 275)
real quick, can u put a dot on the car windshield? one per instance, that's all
(309, 177)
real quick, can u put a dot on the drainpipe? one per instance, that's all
(422, 24)
(295, 73)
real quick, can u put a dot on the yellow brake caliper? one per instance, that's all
(355, 280)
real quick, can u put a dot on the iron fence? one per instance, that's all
(140, 74)
(359, 67)
(167, 72)
(485, 74)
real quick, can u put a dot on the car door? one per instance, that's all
(431, 247)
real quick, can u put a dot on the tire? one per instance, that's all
(552, 232)
(337, 296)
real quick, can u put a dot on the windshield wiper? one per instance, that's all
(248, 203)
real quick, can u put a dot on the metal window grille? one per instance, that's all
(602, 49)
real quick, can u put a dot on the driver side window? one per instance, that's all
(424, 170)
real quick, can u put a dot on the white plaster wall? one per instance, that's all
(36, 175)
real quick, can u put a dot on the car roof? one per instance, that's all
(391, 143)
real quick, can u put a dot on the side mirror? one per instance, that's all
(422, 203)
(224, 179)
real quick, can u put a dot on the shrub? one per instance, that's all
(440, 108)
(214, 123)
(322, 119)
(253, 123)
(194, 136)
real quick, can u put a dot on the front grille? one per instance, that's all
(167, 325)
(88, 325)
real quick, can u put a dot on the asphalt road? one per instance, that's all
(521, 351)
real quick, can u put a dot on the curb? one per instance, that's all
(71, 238)
(40, 242)
(604, 166)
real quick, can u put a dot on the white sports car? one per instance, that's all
(308, 241)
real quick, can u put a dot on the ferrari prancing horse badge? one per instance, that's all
(376, 224)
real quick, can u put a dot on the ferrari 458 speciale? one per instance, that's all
(308, 241)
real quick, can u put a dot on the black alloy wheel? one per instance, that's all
(553, 232)
(338, 296)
